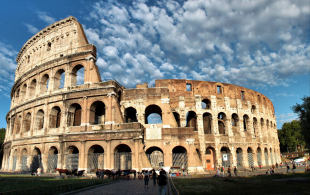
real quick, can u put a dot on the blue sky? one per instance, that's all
(261, 45)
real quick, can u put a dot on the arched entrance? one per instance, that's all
(207, 121)
(210, 158)
(52, 159)
(155, 156)
(122, 157)
(259, 156)
(271, 156)
(39, 122)
(266, 157)
(24, 160)
(14, 160)
(250, 157)
(179, 157)
(130, 115)
(55, 117)
(74, 115)
(97, 113)
(225, 152)
(95, 158)
(191, 120)
(239, 158)
(36, 160)
(72, 161)
(153, 115)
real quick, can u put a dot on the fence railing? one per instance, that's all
(52, 190)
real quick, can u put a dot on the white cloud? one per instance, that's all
(44, 17)
(285, 94)
(31, 28)
(283, 118)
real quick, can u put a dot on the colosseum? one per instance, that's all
(55, 123)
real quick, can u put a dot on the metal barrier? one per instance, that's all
(52, 190)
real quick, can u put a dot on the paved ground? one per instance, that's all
(123, 187)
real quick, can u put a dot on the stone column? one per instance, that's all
(136, 165)
(255, 158)
(109, 111)
(82, 157)
(84, 119)
(108, 156)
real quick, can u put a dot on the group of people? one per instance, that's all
(221, 171)
(161, 180)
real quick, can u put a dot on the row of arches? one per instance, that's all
(42, 85)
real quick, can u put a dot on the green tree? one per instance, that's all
(290, 136)
(303, 112)
(2, 136)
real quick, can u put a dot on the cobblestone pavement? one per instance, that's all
(123, 187)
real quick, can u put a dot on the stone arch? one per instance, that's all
(32, 88)
(235, 122)
(24, 155)
(255, 125)
(271, 157)
(253, 109)
(95, 158)
(155, 156)
(207, 123)
(27, 122)
(44, 83)
(52, 159)
(206, 104)
(259, 156)
(266, 156)
(177, 118)
(153, 113)
(74, 75)
(59, 80)
(18, 124)
(36, 159)
(250, 157)
(55, 117)
(72, 160)
(239, 153)
(74, 114)
(267, 124)
(14, 160)
(39, 121)
(130, 115)
(97, 113)
(226, 156)
(122, 157)
(210, 158)
(179, 157)
(23, 91)
(17, 95)
(246, 121)
(221, 120)
(191, 120)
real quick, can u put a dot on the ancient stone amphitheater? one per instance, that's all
(55, 123)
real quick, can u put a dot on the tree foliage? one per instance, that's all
(303, 112)
(290, 136)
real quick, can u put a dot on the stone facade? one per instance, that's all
(104, 125)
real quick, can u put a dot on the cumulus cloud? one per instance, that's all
(254, 42)
(31, 28)
(45, 17)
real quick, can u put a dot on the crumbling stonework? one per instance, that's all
(104, 125)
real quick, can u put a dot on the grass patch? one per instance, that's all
(19, 182)
(244, 185)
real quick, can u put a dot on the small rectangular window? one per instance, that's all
(242, 95)
(219, 89)
(49, 45)
(61, 55)
(28, 59)
(188, 87)
(208, 161)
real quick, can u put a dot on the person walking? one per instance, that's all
(222, 170)
(260, 166)
(277, 165)
(146, 179)
(229, 171)
(162, 182)
(235, 171)
(287, 168)
(293, 168)
(154, 177)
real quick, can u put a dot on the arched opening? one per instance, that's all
(130, 115)
(206, 104)
(267, 125)
(23, 92)
(17, 95)
(191, 120)
(55, 117)
(36, 160)
(207, 123)
(221, 118)
(250, 157)
(177, 118)
(155, 156)
(235, 123)
(259, 156)
(32, 88)
(255, 125)
(266, 156)
(18, 124)
(97, 113)
(24, 160)
(27, 122)
(253, 109)
(239, 158)
(44, 83)
(271, 157)
(95, 158)
(119, 97)
(210, 158)
(77, 75)
(14, 160)
(52, 159)
(59, 79)
(74, 115)
(246, 121)
(153, 115)
(39, 121)
(225, 152)
(122, 157)
(72, 161)
(179, 157)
